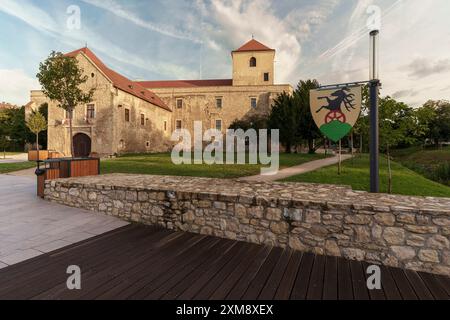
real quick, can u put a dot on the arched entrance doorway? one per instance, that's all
(81, 145)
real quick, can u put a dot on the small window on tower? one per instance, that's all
(254, 103)
(178, 125)
(219, 125)
(219, 103)
(179, 103)
(127, 115)
(142, 120)
(253, 62)
(266, 77)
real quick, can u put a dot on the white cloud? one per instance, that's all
(41, 21)
(15, 86)
(115, 8)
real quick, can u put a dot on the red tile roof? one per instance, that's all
(253, 45)
(121, 82)
(187, 83)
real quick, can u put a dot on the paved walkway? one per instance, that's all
(297, 170)
(30, 226)
(16, 158)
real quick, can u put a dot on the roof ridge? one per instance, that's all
(121, 82)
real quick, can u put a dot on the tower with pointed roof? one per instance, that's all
(253, 64)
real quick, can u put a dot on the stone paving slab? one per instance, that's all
(30, 226)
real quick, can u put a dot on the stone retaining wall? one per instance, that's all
(398, 231)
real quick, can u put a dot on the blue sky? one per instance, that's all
(192, 39)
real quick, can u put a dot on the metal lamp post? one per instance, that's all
(374, 114)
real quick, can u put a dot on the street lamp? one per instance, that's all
(374, 114)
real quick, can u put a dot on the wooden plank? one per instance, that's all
(301, 285)
(222, 274)
(192, 260)
(345, 287)
(270, 289)
(241, 287)
(403, 285)
(374, 294)
(359, 281)
(193, 276)
(138, 277)
(224, 289)
(264, 273)
(418, 285)
(445, 283)
(390, 289)
(434, 286)
(108, 268)
(330, 287)
(288, 281)
(45, 279)
(190, 293)
(315, 288)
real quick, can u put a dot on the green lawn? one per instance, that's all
(161, 164)
(11, 167)
(356, 174)
(432, 163)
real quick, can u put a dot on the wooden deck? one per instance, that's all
(138, 262)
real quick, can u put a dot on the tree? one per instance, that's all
(397, 125)
(440, 124)
(37, 123)
(306, 129)
(255, 122)
(61, 79)
(284, 116)
(4, 138)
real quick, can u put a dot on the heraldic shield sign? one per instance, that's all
(336, 111)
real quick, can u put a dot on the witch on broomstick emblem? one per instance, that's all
(343, 96)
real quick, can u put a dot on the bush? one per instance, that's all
(442, 173)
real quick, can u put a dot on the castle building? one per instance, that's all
(128, 116)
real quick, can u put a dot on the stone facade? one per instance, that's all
(111, 134)
(199, 104)
(398, 231)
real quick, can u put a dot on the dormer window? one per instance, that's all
(253, 62)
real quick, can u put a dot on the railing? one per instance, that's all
(65, 168)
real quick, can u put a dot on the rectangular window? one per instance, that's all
(179, 103)
(254, 103)
(90, 111)
(165, 125)
(219, 103)
(142, 120)
(127, 115)
(266, 77)
(178, 125)
(219, 125)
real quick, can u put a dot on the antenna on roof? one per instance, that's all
(85, 45)
(253, 36)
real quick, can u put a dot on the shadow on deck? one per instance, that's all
(137, 262)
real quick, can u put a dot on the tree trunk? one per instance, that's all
(340, 158)
(389, 170)
(37, 146)
(72, 151)
(311, 146)
(361, 144)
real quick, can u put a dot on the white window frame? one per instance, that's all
(221, 103)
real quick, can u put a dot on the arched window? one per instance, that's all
(253, 62)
